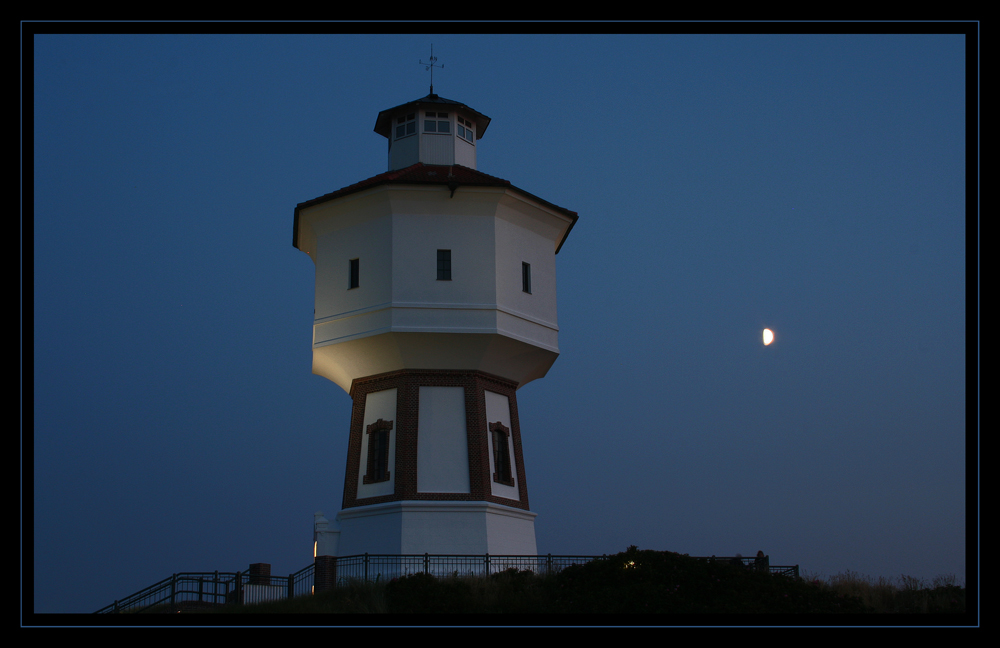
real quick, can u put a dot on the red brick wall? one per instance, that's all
(325, 574)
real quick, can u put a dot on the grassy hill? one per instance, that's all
(630, 583)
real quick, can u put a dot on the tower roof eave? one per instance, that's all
(452, 176)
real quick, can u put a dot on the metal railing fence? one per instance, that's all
(763, 563)
(371, 567)
(199, 590)
(194, 590)
(204, 588)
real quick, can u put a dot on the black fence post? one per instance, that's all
(426, 562)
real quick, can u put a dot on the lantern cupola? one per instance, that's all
(432, 130)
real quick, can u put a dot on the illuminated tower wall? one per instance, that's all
(435, 303)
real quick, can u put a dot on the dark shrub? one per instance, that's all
(425, 593)
(662, 582)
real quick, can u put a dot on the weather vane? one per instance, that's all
(431, 66)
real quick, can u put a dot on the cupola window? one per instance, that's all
(406, 125)
(465, 130)
(437, 122)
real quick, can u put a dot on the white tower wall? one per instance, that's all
(394, 233)
(437, 148)
(442, 448)
(433, 361)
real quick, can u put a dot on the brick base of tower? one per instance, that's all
(435, 466)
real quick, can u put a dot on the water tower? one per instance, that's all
(435, 303)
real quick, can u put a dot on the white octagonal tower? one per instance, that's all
(435, 303)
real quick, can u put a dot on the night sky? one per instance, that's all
(813, 184)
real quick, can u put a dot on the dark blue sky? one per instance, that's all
(812, 184)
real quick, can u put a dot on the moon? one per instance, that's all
(768, 336)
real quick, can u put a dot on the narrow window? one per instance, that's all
(526, 277)
(501, 454)
(444, 265)
(378, 452)
(355, 279)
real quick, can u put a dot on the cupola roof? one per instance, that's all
(383, 124)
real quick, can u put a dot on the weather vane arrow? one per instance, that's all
(430, 66)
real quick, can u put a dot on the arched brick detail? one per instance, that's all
(378, 451)
(503, 473)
